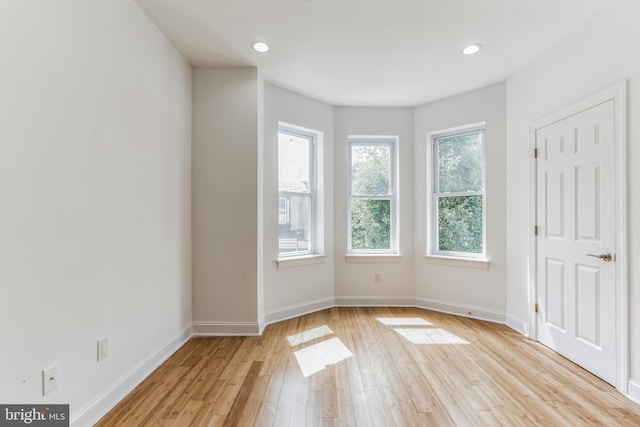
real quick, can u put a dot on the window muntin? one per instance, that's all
(297, 192)
(372, 196)
(459, 198)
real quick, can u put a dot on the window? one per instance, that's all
(297, 191)
(457, 208)
(372, 195)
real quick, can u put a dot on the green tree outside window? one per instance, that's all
(371, 196)
(459, 192)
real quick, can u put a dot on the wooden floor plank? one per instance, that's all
(242, 403)
(495, 378)
(300, 401)
(287, 394)
(266, 414)
(314, 410)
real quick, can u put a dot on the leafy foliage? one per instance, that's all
(460, 163)
(371, 224)
(460, 224)
(370, 170)
(371, 176)
(460, 170)
(460, 217)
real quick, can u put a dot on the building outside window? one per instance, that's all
(297, 191)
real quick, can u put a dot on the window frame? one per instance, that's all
(434, 195)
(392, 142)
(312, 137)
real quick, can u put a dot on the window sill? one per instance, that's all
(370, 258)
(477, 263)
(300, 261)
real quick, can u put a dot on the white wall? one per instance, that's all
(408, 279)
(225, 200)
(295, 290)
(354, 282)
(451, 288)
(598, 55)
(95, 193)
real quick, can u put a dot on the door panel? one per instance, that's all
(587, 299)
(555, 293)
(576, 217)
(588, 202)
(555, 204)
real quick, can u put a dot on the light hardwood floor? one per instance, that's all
(495, 378)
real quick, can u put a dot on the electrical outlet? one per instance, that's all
(49, 379)
(377, 278)
(103, 348)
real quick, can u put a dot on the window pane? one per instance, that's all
(460, 163)
(283, 210)
(295, 211)
(293, 162)
(370, 170)
(460, 224)
(370, 224)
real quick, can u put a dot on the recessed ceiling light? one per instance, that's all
(471, 49)
(261, 47)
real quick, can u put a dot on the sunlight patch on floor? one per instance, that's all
(402, 321)
(315, 358)
(309, 335)
(429, 336)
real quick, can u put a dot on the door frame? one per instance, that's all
(617, 93)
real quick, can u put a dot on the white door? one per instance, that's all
(576, 283)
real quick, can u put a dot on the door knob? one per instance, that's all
(607, 257)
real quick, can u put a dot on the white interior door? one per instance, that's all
(576, 281)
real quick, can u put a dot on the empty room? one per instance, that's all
(319, 213)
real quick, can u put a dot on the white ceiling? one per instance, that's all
(370, 53)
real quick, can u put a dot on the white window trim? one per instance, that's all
(315, 227)
(452, 261)
(299, 261)
(373, 258)
(433, 255)
(393, 196)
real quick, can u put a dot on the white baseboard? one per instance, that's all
(384, 301)
(203, 329)
(98, 408)
(519, 326)
(429, 304)
(633, 392)
(289, 312)
(461, 310)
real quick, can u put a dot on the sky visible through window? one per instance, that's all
(293, 162)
